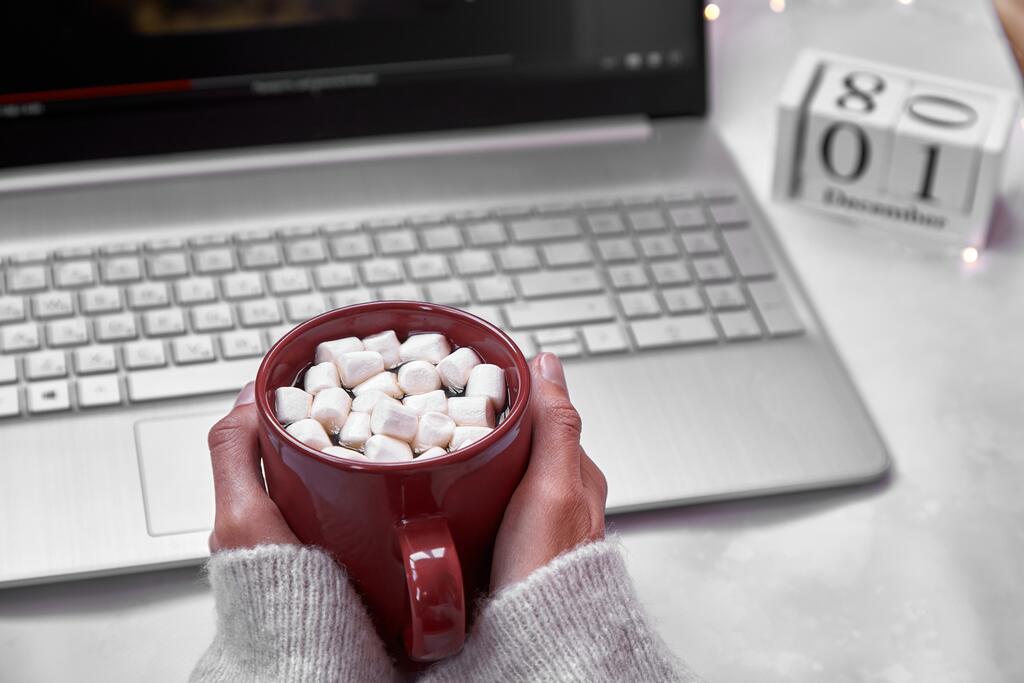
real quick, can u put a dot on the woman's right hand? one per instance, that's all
(560, 502)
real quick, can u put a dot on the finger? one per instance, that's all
(235, 456)
(556, 448)
(596, 490)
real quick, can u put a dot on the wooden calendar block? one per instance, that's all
(905, 150)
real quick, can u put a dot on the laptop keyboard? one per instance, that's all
(86, 327)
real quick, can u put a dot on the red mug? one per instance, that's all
(415, 537)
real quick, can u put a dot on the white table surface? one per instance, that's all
(915, 579)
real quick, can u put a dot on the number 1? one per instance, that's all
(929, 172)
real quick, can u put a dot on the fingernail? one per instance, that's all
(246, 395)
(551, 369)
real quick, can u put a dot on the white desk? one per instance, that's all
(916, 579)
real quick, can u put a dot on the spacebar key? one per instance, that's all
(550, 312)
(215, 378)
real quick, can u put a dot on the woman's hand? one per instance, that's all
(560, 502)
(1011, 13)
(246, 516)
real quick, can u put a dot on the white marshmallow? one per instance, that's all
(431, 402)
(381, 448)
(435, 452)
(291, 404)
(488, 380)
(463, 436)
(455, 367)
(366, 401)
(471, 411)
(418, 377)
(356, 430)
(321, 376)
(395, 420)
(434, 430)
(330, 351)
(331, 408)
(342, 452)
(386, 344)
(357, 367)
(385, 381)
(430, 347)
(311, 433)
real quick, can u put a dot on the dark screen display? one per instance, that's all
(111, 78)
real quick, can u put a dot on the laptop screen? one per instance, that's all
(114, 78)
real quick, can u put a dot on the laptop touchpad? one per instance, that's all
(177, 482)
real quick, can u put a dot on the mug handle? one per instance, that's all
(434, 579)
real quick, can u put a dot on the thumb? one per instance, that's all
(557, 426)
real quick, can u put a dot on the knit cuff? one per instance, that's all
(288, 613)
(578, 618)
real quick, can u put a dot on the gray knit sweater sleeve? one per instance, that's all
(286, 613)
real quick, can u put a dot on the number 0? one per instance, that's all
(863, 151)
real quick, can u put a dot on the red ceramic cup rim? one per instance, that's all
(519, 406)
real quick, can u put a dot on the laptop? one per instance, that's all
(184, 181)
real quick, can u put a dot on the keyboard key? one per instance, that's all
(639, 304)
(540, 229)
(164, 323)
(46, 365)
(558, 312)
(293, 231)
(451, 293)
(700, 243)
(350, 297)
(682, 300)
(658, 246)
(355, 246)
(212, 318)
(208, 240)
(169, 265)
(474, 263)
(48, 397)
(427, 267)
(70, 253)
(254, 256)
(441, 238)
(148, 295)
(119, 270)
(729, 214)
(305, 251)
(10, 404)
(384, 223)
(12, 309)
(259, 313)
(100, 300)
(228, 376)
(382, 271)
(288, 281)
(8, 370)
(567, 254)
(628, 277)
(401, 293)
(94, 359)
(487, 234)
(27, 279)
(195, 290)
(116, 327)
(747, 252)
(495, 289)
(563, 351)
(621, 249)
(340, 228)
(119, 248)
(212, 261)
(670, 273)
(688, 217)
(519, 258)
(491, 314)
(395, 242)
(645, 221)
(241, 344)
(250, 236)
(144, 354)
(241, 286)
(776, 311)
(165, 244)
(275, 333)
(560, 335)
(603, 224)
(62, 333)
(185, 350)
(560, 282)
(714, 269)
(52, 305)
(28, 257)
(96, 392)
(739, 325)
(607, 338)
(301, 308)
(724, 297)
(74, 274)
(335, 276)
(681, 197)
(661, 332)
(21, 337)
(719, 194)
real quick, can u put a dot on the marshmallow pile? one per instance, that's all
(380, 400)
